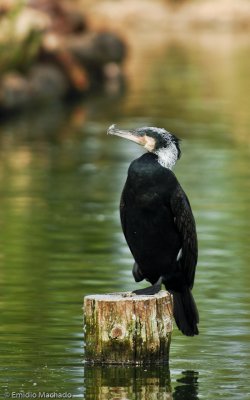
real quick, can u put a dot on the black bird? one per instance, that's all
(158, 223)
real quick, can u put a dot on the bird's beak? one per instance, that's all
(126, 134)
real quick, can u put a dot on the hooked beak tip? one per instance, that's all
(111, 129)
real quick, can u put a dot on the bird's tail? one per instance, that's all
(185, 312)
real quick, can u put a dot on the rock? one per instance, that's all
(97, 48)
(47, 82)
(43, 83)
(84, 58)
(14, 91)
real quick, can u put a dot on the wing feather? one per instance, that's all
(185, 223)
(138, 276)
(123, 213)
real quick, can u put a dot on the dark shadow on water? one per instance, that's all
(140, 383)
(187, 387)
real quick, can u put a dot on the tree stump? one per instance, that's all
(124, 328)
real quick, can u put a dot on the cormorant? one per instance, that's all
(158, 223)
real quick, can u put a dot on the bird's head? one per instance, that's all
(156, 140)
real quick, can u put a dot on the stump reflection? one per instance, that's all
(127, 382)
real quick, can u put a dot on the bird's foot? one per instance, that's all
(151, 290)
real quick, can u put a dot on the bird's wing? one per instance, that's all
(123, 213)
(185, 223)
(138, 276)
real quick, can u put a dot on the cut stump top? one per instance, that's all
(127, 296)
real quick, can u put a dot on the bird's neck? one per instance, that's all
(167, 157)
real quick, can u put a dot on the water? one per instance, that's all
(60, 237)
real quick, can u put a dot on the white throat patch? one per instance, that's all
(167, 156)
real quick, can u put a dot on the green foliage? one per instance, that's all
(17, 53)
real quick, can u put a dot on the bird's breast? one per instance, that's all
(147, 200)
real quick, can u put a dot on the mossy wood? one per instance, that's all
(123, 328)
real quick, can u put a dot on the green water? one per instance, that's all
(60, 235)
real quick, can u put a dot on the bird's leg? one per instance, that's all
(151, 290)
(138, 277)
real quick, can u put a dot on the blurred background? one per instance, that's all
(68, 70)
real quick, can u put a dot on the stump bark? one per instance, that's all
(123, 328)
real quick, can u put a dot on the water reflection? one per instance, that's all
(187, 388)
(140, 383)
